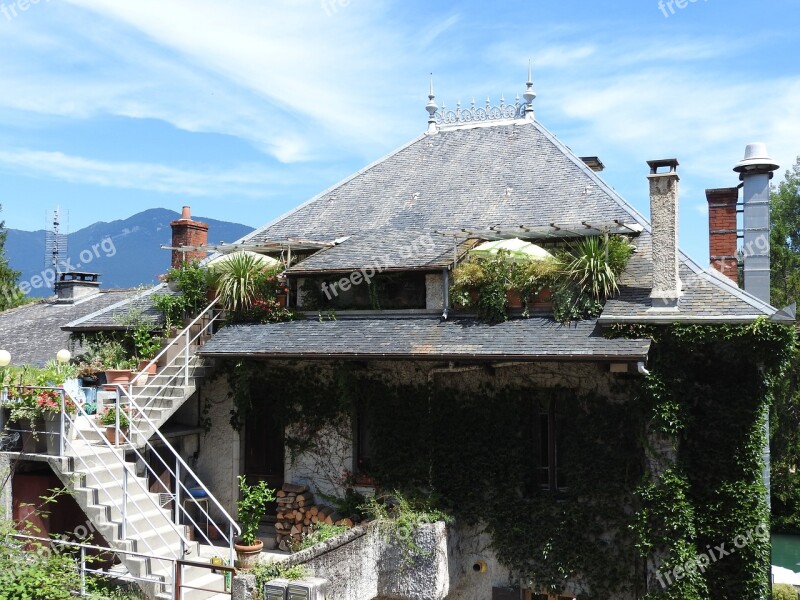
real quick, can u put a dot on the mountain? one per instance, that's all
(132, 257)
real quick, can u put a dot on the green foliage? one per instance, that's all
(267, 571)
(251, 506)
(398, 516)
(237, 280)
(571, 304)
(173, 307)
(712, 408)
(109, 417)
(784, 591)
(193, 283)
(468, 277)
(10, 294)
(595, 264)
(785, 239)
(321, 532)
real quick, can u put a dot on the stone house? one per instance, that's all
(534, 434)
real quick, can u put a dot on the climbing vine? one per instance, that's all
(651, 483)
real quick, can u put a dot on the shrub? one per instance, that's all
(784, 591)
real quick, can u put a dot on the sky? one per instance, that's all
(243, 109)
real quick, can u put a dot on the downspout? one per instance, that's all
(446, 293)
(642, 369)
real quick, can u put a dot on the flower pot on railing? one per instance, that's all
(52, 429)
(33, 438)
(146, 370)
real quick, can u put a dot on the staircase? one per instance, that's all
(112, 481)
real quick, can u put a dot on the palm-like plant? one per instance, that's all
(590, 270)
(237, 281)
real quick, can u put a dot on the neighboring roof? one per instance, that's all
(33, 334)
(107, 318)
(424, 338)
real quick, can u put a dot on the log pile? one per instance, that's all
(298, 513)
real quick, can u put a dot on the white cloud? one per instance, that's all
(250, 181)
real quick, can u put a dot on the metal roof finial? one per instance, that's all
(432, 109)
(529, 94)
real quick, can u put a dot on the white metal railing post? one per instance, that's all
(83, 571)
(61, 428)
(178, 494)
(124, 502)
(116, 419)
(3, 400)
(186, 358)
(231, 538)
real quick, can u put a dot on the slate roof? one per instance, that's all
(33, 333)
(504, 176)
(424, 338)
(107, 318)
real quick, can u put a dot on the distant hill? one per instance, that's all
(139, 258)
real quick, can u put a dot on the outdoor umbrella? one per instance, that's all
(518, 250)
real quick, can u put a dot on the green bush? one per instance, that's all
(784, 591)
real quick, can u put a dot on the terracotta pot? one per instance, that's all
(281, 298)
(118, 376)
(248, 555)
(111, 431)
(151, 369)
(513, 298)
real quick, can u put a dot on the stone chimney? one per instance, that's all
(73, 286)
(723, 231)
(755, 171)
(664, 219)
(186, 232)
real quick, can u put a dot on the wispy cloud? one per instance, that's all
(250, 181)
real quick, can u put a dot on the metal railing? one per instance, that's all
(82, 550)
(184, 341)
(228, 530)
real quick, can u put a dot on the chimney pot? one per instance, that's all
(755, 171)
(664, 218)
(186, 214)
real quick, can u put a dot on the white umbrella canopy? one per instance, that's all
(518, 250)
(267, 261)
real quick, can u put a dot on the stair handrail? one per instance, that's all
(233, 528)
(183, 335)
(122, 507)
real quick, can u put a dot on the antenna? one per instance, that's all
(56, 228)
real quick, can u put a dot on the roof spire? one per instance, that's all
(432, 109)
(529, 94)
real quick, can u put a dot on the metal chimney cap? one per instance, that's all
(756, 159)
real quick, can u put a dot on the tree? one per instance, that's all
(785, 418)
(10, 294)
(785, 239)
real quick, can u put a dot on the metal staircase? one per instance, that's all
(117, 481)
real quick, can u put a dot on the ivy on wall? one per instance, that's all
(656, 480)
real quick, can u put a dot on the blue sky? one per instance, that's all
(244, 109)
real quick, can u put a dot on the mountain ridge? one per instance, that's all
(126, 252)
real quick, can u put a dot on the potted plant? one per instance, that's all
(108, 418)
(535, 281)
(121, 373)
(468, 277)
(146, 345)
(26, 414)
(49, 403)
(251, 508)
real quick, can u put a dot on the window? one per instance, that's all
(549, 436)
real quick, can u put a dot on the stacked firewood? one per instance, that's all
(298, 514)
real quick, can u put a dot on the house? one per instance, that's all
(610, 457)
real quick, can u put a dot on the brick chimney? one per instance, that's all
(723, 205)
(186, 232)
(664, 219)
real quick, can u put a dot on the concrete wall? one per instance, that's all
(5, 491)
(218, 461)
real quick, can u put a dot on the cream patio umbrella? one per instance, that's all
(518, 250)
